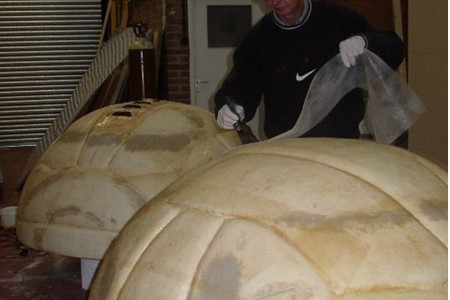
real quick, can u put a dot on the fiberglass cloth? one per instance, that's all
(392, 106)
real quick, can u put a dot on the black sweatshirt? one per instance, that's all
(271, 61)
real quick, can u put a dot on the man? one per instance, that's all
(277, 60)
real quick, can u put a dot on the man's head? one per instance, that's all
(289, 11)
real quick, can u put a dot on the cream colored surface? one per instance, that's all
(428, 76)
(289, 219)
(106, 166)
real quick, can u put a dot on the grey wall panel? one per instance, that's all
(45, 49)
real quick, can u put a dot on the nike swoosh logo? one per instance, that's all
(301, 78)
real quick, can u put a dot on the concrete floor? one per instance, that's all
(28, 273)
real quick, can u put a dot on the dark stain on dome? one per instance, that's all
(104, 139)
(197, 122)
(73, 136)
(174, 142)
(436, 210)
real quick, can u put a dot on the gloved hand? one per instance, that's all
(226, 118)
(350, 49)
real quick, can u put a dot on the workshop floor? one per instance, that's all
(28, 273)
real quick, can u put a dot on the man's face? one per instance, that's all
(286, 10)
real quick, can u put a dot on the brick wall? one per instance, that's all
(148, 11)
(174, 63)
(177, 87)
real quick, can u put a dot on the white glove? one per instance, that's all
(226, 118)
(350, 49)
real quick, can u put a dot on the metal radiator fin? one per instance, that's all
(108, 58)
(45, 48)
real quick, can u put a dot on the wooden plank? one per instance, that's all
(398, 27)
(105, 24)
(124, 14)
(113, 17)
